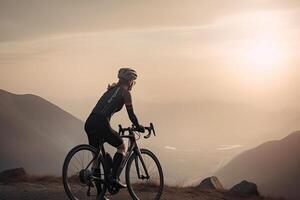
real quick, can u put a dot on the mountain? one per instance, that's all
(274, 166)
(35, 133)
(196, 138)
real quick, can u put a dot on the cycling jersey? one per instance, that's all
(112, 101)
(97, 124)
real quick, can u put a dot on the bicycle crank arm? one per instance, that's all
(144, 177)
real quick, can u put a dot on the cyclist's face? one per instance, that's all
(131, 84)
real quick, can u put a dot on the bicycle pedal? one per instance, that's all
(113, 189)
(90, 183)
(144, 177)
(88, 192)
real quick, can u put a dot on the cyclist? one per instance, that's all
(97, 125)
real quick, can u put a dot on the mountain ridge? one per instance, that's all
(273, 165)
(34, 130)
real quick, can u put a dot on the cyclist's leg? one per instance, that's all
(97, 129)
(92, 129)
(114, 139)
(95, 142)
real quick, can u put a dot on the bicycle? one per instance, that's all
(143, 174)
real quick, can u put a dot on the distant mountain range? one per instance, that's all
(35, 134)
(274, 166)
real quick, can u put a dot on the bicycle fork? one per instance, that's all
(136, 160)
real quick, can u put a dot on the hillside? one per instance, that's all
(203, 128)
(35, 133)
(274, 166)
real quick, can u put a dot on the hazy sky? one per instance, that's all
(69, 50)
(222, 74)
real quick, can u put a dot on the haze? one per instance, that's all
(215, 76)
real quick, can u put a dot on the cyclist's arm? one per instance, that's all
(129, 108)
(132, 116)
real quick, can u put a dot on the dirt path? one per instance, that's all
(55, 191)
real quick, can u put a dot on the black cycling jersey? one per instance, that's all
(112, 101)
(97, 125)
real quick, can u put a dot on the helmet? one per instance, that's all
(127, 74)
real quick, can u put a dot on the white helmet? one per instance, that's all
(127, 74)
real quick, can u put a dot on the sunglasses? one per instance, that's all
(132, 82)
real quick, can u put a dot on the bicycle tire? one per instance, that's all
(67, 160)
(127, 174)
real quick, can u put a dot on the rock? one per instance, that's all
(211, 183)
(13, 175)
(245, 187)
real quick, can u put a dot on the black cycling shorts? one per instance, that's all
(98, 129)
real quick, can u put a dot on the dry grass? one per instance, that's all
(43, 179)
(32, 179)
(170, 192)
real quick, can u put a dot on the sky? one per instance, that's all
(230, 50)
(227, 68)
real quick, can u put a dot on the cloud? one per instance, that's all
(170, 148)
(229, 147)
(34, 18)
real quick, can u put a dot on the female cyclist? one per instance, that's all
(97, 125)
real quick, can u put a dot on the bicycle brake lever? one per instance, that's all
(152, 127)
(147, 136)
(149, 133)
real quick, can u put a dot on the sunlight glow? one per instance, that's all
(261, 53)
(263, 56)
(261, 62)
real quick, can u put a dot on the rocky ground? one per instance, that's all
(15, 184)
(54, 191)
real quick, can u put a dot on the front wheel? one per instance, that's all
(144, 181)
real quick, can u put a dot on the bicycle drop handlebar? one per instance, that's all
(150, 130)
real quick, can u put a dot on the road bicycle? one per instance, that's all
(143, 173)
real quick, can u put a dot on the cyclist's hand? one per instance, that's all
(140, 128)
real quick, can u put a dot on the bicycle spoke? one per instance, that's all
(148, 162)
(75, 166)
(78, 161)
(151, 169)
(80, 156)
(82, 160)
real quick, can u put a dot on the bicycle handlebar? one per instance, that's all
(150, 130)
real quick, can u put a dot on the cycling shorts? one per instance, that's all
(98, 129)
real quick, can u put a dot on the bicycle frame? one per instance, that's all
(98, 171)
(132, 148)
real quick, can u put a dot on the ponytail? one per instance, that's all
(111, 86)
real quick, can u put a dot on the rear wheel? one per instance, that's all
(79, 179)
(141, 186)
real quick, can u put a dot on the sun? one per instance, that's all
(260, 56)
(263, 56)
(259, 62)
